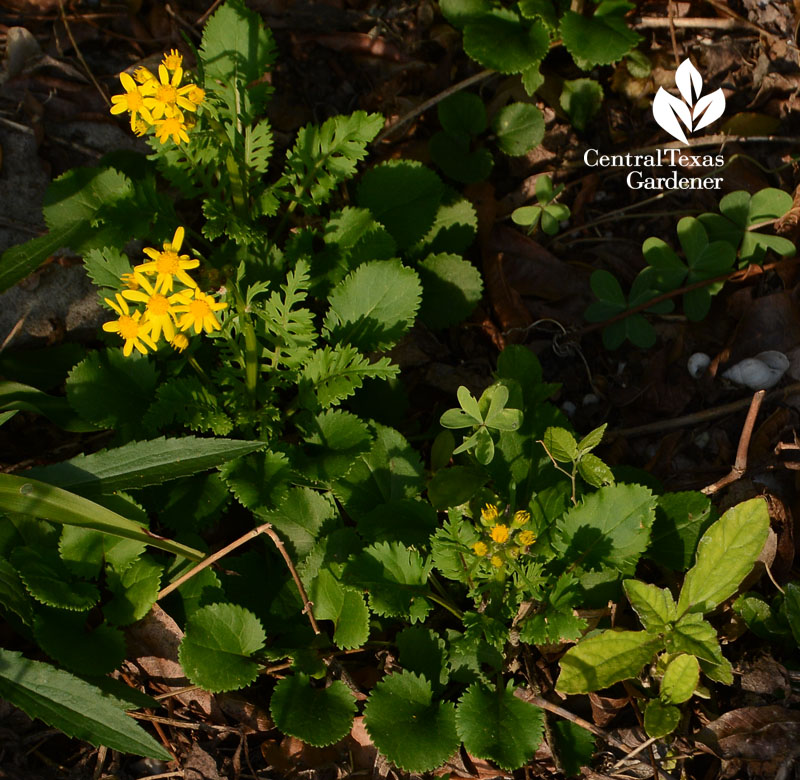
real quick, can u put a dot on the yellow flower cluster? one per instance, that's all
(160, 101)
(166, 311)
(502, 541)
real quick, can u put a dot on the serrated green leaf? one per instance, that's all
(216, 649)
(186, 401)
(458, 160)
(66, 638)
(697, 637)
(454, 227)
(84, 550)
(462, 114)
(654, 606)
(573, 745)
(660, 718)
(300, 517)
(594, 471)
(13, 595)
(725, 556)
(499, 40)
(408, 726)
(258, 146)
(601, 660)
(333, 442)
(458, 12)
(455, 485)
(78, 709)
(404, 196)
(395, 576)
(424, 652)
(561, 444)
(47, 579)
(519, 128)
(591, 440)
(373, 306)
(60, 506)
(317, 716)
(681, 519)
(142, 463)
(344, 606)
(111, 390)
(325, 156)
(608, 528)
(598, 39)
(581, 99)
(496, 725)
(259, 480)
(680, 679)
(134, 590)
(106, 266)
(540, 9)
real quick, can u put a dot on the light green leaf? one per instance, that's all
(300, 517)
(519, 128)
(654, 606)
(68, 703)
(500, 41)
(105, 268)
(725, 556)
(496, 725)
(697, 637)
(598, 39)
(134, 590)
(469, 404)
(215, 652)
(610, 527)
(453, 230)
(59, 506)
(317, 716)
(680, 679)
(404, 196)
(561, 444)
(47, 579)
(408, 726)
(84, 550)
(594, 471)
(343, 605)
(451, 289)
(606, 658)
(142, 463)
(374, 306)
(660, 719)
(591, 440)
(458, 12)
(581, 99)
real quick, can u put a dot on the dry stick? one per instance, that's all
(634, 752)
(700, 417)
(713, 23)
(740, 464)
(211, 9)
(79, 55)
(422, 107)
(206, 562)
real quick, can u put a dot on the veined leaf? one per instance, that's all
(660, 718)
(654, 606)
(39, 499)
(68, 703)
(142, 463)
(680, 679)
(725, 556)
(606, 658)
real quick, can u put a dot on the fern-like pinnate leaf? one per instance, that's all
(335, 373)
(289, 329)
(258, 146)
(325, 156)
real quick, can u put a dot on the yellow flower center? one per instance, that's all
(480, 548)
(199, 309)
(173, 60)
(128, 327)
(158, 305)
(166, 93)
(497, 561)
(500, 533)
(135, 102)
(168, 262)
(527, 537)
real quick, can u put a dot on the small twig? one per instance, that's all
(13, 332)
(772, 577)
(177, 773)
(183, 724)
(691, 22)
(422, 107)
(706, 415)
(206, 562)
(79, 55)
(634, 752)
(740, 464)
(176, 692)
(213, 7)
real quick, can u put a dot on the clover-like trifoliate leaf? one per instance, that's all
(411, 729)
(317, 716)
(403, 196)
(496, 725)
(65, 637)
(215, 652)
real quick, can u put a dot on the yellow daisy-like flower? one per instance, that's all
(196, 94)
(172, 60)
(180, 342)
(165, 97)
(521, 517)
(159, 313)
(497, 561)
(168, 264)
(130, 327)
(173, 126)
(500, 533)
(133, 100)
(198, 309)
(139, 127)
(143, 75)
(480, 549)
(130, 281)
(527, 537)
(489, 514)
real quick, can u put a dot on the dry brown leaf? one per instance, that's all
(754, 733)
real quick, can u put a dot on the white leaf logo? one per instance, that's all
(694, 111)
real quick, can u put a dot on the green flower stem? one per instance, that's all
(234, 172)
(250, 343)
(451, 608)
